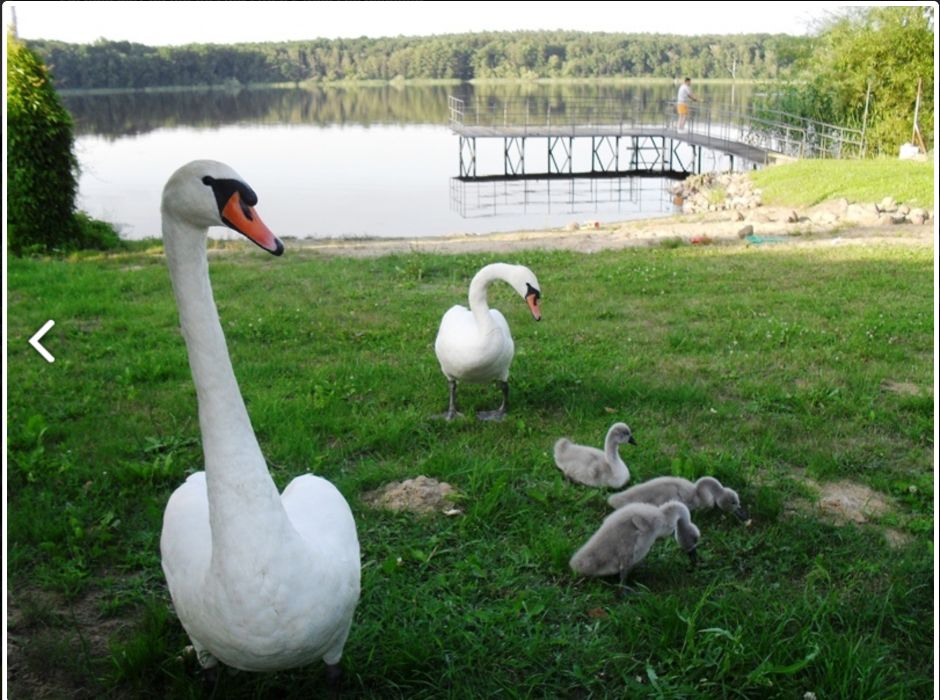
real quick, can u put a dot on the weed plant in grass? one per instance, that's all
(753, 365)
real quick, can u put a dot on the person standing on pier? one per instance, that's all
(682, 102)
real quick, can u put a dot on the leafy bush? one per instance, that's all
(888, 49)
(96, 234)
(41, 165)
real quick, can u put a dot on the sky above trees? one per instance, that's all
(174, 23)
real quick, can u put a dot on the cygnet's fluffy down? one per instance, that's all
(593, 467)
(707, 492)
(627, 534)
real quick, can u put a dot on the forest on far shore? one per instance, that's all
(488, 55)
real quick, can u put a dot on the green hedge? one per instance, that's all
(41, 164)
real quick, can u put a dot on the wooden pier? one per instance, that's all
(630, 140)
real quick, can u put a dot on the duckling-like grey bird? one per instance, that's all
(591, 466)
(707, 492)
(627, 534)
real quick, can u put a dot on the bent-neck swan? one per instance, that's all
(474, 345)
(626, 536)
(707, 492)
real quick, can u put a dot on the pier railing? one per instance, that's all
(768, 130)
(563, 118)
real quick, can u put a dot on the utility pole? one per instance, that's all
(915, 135)
(733, 70)
(865, 116)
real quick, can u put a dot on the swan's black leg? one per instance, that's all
(452, 411)
(210, 676)
(334, 676)
(500, 412)
(625, 589)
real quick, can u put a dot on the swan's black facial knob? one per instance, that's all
(532, 296)
(236, 201)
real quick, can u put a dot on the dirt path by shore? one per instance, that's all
(701, 229)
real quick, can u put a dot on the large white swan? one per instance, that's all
(260, 581)
(474, 345)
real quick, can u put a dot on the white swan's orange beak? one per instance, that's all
(239, 216)
(533, 301)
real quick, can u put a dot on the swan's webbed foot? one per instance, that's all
(496, 415)
(626, 591)
(500, 412)
(449, 415)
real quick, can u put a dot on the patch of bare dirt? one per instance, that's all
(55, 647)
(842, 502)
(846, 501)
(419, 495)
(902, 388)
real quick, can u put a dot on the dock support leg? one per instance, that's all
(561, 162)
(514, 155)
(468, 156)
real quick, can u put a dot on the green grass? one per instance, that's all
(745, 363)
(808, 182)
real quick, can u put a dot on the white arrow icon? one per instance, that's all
(37, 336)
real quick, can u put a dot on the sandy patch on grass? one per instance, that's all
(842, 502)
(902, 388)
(53, 644)
(419, 495)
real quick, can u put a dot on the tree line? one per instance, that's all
(865, 72)
(485, 55)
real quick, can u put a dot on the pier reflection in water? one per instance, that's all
(572, 199)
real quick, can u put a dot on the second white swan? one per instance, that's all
(474, 345)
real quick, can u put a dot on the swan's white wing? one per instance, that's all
(185, 554)
(186, 540)
(322, 517)
(469, 355)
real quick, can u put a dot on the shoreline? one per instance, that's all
(765, 225)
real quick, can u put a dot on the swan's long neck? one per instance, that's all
(612, 448)
(478, 286)
(242, 496)
(619, 469)
(676, 517)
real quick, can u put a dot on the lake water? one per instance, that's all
(347, 162)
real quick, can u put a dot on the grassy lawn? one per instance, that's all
(808, 182)
(761, 366)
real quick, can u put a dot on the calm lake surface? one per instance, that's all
(349, 162)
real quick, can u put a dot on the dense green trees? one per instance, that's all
(544, 54)
(823, 77)
(41, 166)
(889, 48)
